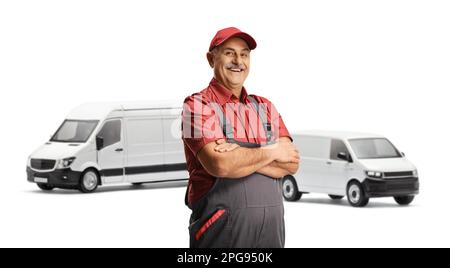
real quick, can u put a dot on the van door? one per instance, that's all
(174, 158)
(111, 155)
(338, 169)
(145, 147)
(314, 153)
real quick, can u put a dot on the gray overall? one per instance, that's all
(240, 213)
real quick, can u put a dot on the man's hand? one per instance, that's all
(223, 146)
(285, 151)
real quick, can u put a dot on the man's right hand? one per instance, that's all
(285, 152)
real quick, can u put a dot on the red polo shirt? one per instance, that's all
(200, 126)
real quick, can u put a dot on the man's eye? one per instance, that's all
(229, 53)
(244, 55)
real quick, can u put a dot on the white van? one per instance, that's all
(101, 143)
(356, 165)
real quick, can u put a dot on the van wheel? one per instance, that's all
(356, 195)
(336, 197)
(89, 181)
(290, 189)
(404, 200)
(45, 187)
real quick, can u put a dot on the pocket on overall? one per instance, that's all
(211, 231)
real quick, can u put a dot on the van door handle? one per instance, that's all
(328, 162)
(119, 150)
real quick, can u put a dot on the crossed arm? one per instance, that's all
(226, 160)
(278, 170)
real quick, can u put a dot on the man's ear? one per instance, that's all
(210, 57)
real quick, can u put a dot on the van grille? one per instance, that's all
(386, 186)
(398, 174)
(42, 164)
(400, 186)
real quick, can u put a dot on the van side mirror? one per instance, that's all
(99, 142)
(403, 154)
(344, 156)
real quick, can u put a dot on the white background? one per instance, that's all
(372, 66)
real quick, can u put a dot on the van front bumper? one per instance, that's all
(391, 187)
(60, 178)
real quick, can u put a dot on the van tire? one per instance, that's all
(356, 195)
(336, 197)
(89, 181)
(45, 187)
(137, 183)
(404, 200)
(290, 189)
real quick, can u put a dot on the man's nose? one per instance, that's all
(237, 60)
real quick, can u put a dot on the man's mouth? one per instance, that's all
(236, 70)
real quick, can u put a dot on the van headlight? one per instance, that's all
(65, 163)
(374, 174)
(415, 173)
(29, 161)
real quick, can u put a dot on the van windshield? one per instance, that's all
(374, 148)
(75, 131)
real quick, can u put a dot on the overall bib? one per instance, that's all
(240, 213)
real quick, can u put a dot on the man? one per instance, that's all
(237, 149)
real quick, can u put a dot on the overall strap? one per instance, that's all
(227, 128)
(263, 116)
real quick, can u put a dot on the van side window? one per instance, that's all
(110, 132)
(337, 146)
(315, 147)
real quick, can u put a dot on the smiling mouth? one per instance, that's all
(236, 70)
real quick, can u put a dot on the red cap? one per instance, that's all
(227, 33)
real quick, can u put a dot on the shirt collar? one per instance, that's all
(224, 95)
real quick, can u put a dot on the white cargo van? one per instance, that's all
(101, 143)
(356, 165)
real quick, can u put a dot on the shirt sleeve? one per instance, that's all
(200, 124)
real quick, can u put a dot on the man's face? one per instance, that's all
(231, 63)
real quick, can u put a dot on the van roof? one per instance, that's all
(337, 134)
(100, 110)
